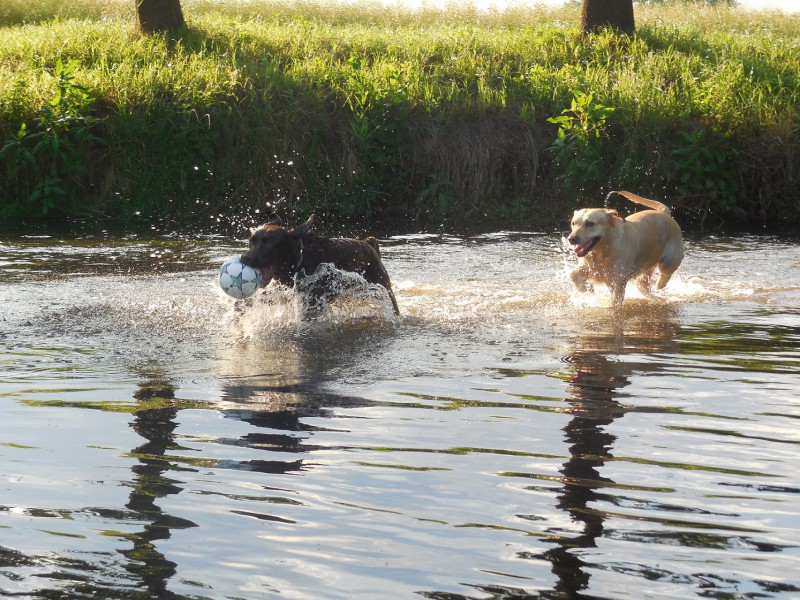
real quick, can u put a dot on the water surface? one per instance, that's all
(503, 438)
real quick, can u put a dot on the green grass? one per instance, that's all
(394, 118)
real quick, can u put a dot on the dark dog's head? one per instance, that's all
(276, 250)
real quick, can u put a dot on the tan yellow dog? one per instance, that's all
(614, 249)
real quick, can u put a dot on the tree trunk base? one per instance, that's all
(603, 14)
(159, 15)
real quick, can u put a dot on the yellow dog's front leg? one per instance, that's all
(580, 279)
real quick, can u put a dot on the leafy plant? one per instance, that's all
(43, 161)
(378, 105)
(703, 168)
(434, 201)
(578, 146)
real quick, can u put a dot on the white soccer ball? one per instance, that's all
(237, 279)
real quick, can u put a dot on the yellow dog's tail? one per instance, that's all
(654, 204)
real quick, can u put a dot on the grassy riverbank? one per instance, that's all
(393, 118)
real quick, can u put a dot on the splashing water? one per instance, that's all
(328, 298)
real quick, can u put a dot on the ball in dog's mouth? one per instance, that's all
(268, 273)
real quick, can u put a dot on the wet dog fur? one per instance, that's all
(613, 249)
(285, 255)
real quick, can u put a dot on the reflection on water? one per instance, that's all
(594, 386)
(504, 438)
(156, 424)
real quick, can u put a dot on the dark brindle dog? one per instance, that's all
(288, 254)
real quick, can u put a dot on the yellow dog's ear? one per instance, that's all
(613, 213)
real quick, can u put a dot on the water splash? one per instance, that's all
(329, 298)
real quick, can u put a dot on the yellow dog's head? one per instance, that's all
(590, 226)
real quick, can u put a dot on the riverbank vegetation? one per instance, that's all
(394, 118)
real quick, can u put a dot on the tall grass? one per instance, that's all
(410, 118)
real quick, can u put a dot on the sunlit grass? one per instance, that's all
(434, 113)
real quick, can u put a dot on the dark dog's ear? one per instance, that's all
(304, 228)
(613, 213)
(274, 219)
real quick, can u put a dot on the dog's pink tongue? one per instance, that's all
(579, 250)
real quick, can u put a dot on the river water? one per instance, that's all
(502, 438)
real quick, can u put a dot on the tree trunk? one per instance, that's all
(600, 14)
(159, 15)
